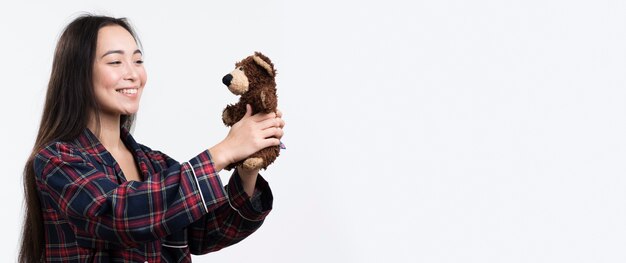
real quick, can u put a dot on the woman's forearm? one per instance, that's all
(248, 179)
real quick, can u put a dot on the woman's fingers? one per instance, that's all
(266, 120)
(269, 123)
(270, 142)
(272, 132)
(248, 111)
(259, 117)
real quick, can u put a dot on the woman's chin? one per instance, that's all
(129, 112)
(129, 109)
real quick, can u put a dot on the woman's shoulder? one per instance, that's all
(61, 150)
(57, 155)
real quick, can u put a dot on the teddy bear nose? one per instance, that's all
(226, 79)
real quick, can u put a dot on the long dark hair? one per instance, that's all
(70, 103)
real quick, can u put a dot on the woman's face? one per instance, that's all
(118, 72)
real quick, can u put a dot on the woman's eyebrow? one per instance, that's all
(118, 51)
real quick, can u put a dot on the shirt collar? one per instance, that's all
(91, 145)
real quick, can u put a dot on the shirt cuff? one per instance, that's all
(239, 200)
(256, 200)
(208, 181)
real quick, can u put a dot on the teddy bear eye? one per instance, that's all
(241, 68)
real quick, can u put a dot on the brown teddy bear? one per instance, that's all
(253, 79)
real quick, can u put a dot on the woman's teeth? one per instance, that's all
(128, 91)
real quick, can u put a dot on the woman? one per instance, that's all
(93, 194)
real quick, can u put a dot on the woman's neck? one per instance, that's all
(109, 134)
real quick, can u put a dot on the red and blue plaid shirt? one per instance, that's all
(92, 213)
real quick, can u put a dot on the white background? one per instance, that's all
(417, 131)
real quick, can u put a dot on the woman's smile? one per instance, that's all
(129, 92)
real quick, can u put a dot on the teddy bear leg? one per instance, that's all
(253, 163)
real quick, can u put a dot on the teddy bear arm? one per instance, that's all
(228, 115)
(268, 100)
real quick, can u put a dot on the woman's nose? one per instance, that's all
(131, 73)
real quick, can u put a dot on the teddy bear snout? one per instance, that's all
(226, 79)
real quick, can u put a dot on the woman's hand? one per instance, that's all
(249, 135)
(248, 176)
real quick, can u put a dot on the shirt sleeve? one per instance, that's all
(104, 213)
(231, 222)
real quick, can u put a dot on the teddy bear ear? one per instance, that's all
(264, 64)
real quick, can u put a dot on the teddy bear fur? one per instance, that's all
(254, 80)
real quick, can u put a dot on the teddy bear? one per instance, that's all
(254, 80)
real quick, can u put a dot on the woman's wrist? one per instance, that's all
(220, 156)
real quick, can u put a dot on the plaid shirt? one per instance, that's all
(92, 214)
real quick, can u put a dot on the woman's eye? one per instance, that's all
(139, 61)
(115, 62)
